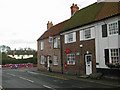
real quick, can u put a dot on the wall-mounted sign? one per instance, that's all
(50, 39)
(77, 53)
(68, 51)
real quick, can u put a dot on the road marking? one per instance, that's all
(47, 86)
(50, 75)
(26, 79)
(11, 74)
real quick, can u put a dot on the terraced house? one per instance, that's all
(92, 36)
(87, 42)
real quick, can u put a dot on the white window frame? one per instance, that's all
(42, 45)
(114, 56)
(70, 38)
(71, 59)
(83, 34)
(55, 60)
(87, 33)
(42, 59)
(55, 43)
(112, 32)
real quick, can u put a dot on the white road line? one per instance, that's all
(26, 79)
(11, 74)
(47, 86)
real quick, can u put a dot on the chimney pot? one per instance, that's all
(74, 8)
(49, 24)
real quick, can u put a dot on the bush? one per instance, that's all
(96, 76)
(111, 65)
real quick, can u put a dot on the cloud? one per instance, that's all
(20, 41)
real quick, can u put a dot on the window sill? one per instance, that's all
(70, 42)
(55, 65)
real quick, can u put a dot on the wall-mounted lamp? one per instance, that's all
(81, 48)
(87, 52)
(81, 45)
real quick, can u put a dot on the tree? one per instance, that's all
(4, 48)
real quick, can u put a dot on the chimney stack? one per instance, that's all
(49, 24)
(74, 8)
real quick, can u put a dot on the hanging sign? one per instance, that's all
(50, 39)
(68, 51)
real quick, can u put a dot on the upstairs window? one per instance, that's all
(42, 45)
(113, 28)
(87, 33)
(55, 43)
(71, 37)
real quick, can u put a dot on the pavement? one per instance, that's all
(105, 80)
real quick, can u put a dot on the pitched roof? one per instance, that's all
(54, 30)
(94, 12)
(109, 9)
(89, 14)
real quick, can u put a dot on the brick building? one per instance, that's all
(86, 42)
(89, 40)
(49, 48)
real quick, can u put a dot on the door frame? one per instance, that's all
(48, 63)
(90, 67)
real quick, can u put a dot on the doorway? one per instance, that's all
(48, 63)
(88, 62)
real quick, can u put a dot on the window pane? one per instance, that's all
(114, 55)
(70, 59)
(113, 28)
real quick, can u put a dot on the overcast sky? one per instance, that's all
(22, 22)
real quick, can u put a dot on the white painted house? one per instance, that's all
(107, 41)
(21, 54)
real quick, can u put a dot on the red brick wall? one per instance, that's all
(88, 45)
(48, 50)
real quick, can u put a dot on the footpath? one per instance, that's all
(105, 80)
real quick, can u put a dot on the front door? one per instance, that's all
(88, 61)
(48, 63)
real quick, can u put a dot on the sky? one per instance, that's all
(22, 22)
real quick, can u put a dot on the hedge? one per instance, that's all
(5, 60)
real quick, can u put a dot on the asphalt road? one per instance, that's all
(25, 78)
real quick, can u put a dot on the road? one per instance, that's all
(25, 78)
